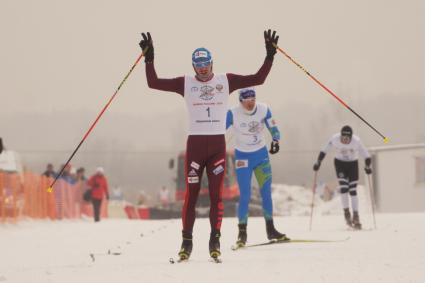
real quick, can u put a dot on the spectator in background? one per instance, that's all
(50, 172)
(99, 189)
(67, 176)
(81, 175)
(80, 189)
(73, 173)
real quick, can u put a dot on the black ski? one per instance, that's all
(237, 247)
(181, 260)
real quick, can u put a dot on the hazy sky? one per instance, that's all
(60, 61)
(69, 56)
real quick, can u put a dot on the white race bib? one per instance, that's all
(207, 104)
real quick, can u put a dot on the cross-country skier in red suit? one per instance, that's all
(206, 95)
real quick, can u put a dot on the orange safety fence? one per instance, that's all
(26, 196)
(9, 191)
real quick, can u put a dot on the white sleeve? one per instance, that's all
(362, 150)
(328, 146)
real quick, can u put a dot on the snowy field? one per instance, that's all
(44, 251)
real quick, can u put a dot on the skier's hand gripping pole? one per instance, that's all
(274, 147)
(146, 44)
(50, 189)
(386, 140)
(270, 40)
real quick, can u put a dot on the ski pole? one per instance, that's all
(50, 189)
(386, 140)
(372, 198)
(312, 198)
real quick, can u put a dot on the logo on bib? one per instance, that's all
(194, 89)
(254, 127)
(207, 92)
(219, 87)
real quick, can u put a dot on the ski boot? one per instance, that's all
(347, 217)
(356, 221)
(186, 247)
(273, 234)
(214, 244)
(242, 236)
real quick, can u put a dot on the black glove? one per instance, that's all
(269, 39)
(316, 165)
(368, 170)
(147, 47)
(274, 147)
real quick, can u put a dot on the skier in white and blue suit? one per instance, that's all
(249, 120)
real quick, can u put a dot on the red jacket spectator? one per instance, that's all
(98, 185)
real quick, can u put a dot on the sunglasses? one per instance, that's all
(202, 64)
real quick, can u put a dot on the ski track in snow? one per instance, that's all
(45, 251)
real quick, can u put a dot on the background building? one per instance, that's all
(399, 177)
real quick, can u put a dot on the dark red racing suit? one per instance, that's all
(205, 151)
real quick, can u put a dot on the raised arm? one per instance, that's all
(243, 81)
(240, 81)
(173, 85)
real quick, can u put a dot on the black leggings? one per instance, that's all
(348, 176)
(97, 203)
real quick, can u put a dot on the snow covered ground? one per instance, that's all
(44, 251)
(296, 200)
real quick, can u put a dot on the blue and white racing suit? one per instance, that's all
(251, 155)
